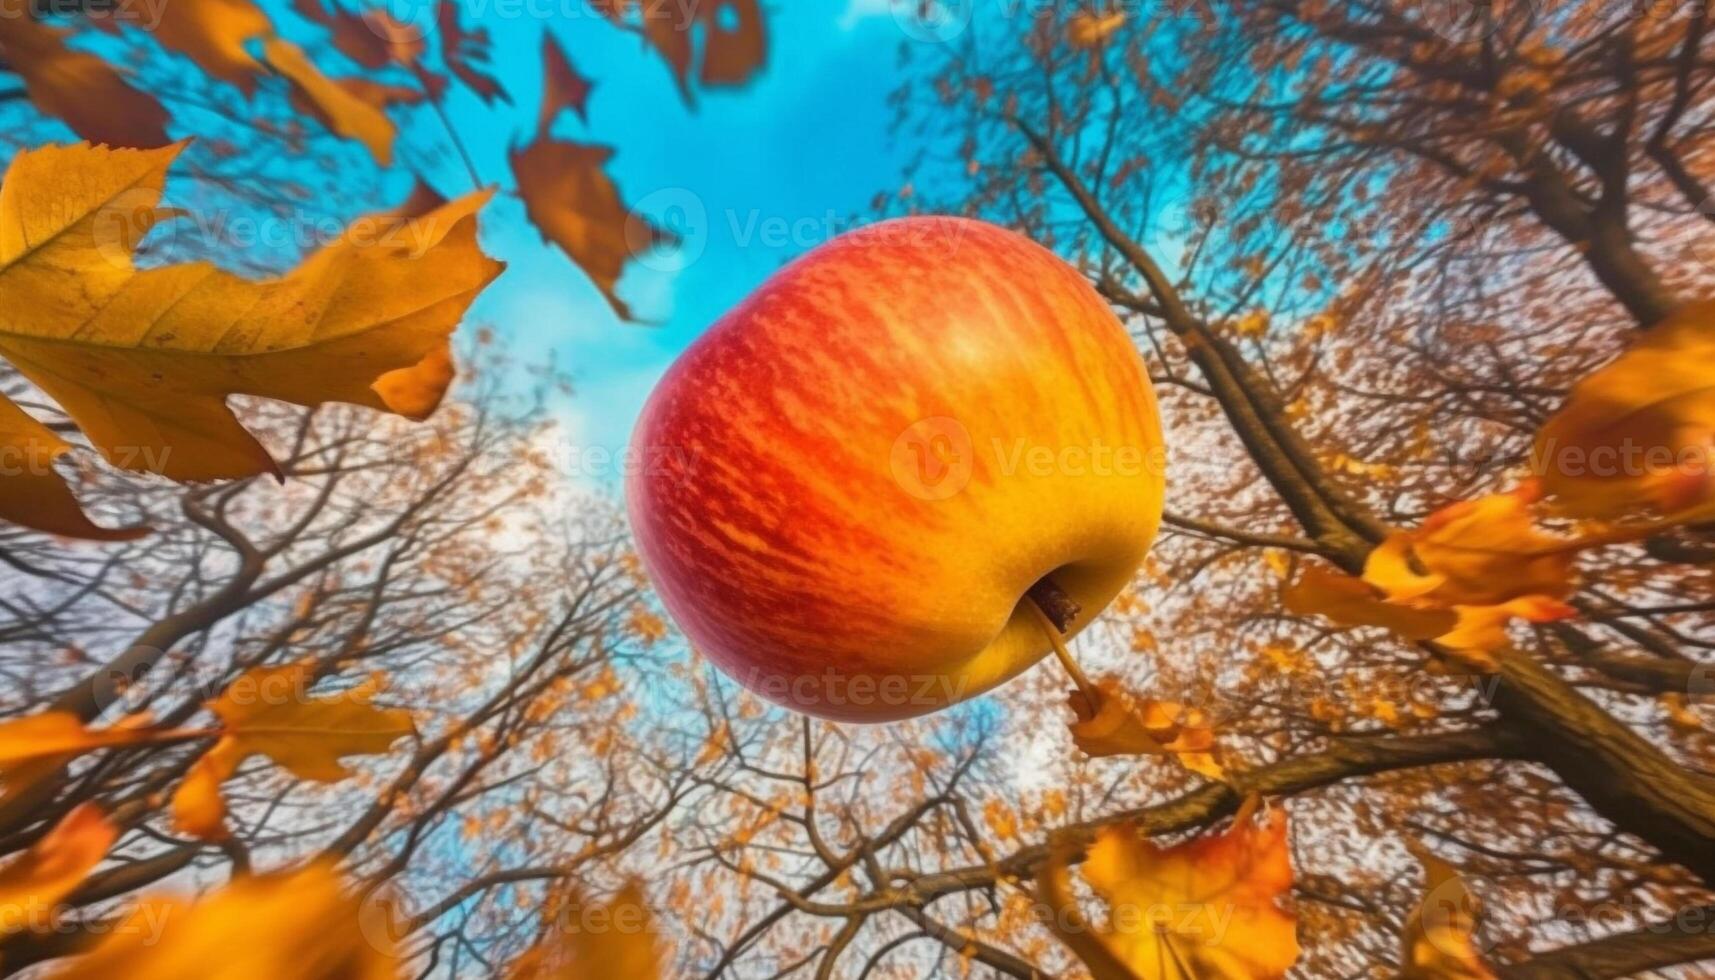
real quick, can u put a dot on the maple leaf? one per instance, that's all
(269, 711)
(562, 86)
(37, 880)
(574, 204)
(1204, 908)
(735, 39)
(281, 924)
(1120, 724)
(628, 948)
(1438, 937)
(77, 87)
(466, 54)
(1640, 432)
(144, 359)
(1459, 580)
(341, 109)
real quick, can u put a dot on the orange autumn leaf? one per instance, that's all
(282, 924)
(562, 86)
(1120, 724)
(35, 746)
(143, 360)
(269, 711)
(1087, 29)
(76, 87)
(628, 947)
(1351, 601)
(372, 37)
(1208, 907)
(734, 39)
(37, 880)
(467, 53)
(343, 111)
(1438, 937)
(1640, 432)
(216, 35)
(36, 494)
(1481, 552)
(575, 205)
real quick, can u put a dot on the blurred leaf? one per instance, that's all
(284, 924)
(1204, 908)
(54, 866)
(269, 711)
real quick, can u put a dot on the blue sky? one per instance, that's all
(751, 177)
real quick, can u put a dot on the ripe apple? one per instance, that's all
(844, 489)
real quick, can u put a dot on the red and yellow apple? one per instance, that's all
(847, 485)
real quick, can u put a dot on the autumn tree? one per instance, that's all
(1370, 257)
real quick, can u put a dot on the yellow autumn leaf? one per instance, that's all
(35, 746)
(269, 711)
(1206, 908)
(35, 881)
(1120, 724)
(283, 924)
(143, 360)
(337, 107)
(616, 939)
(1087, 29)
(1481, 552)
(35, 494)
(1351, 601)
(1438, 935)
(1640, 432)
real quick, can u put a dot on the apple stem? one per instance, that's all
(1054, 610)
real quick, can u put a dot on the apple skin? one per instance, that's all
(844, 488)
